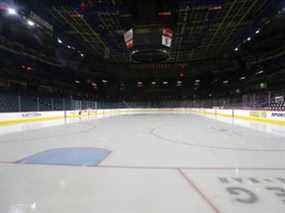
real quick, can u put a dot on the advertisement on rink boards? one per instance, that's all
(277, 115)
(29, 115)
(239, 113)
(258, 114)
(272, 115)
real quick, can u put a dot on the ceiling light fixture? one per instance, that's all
(179, 83)
(59, 41)
(12, 11)
(31, 23)
(260, 72)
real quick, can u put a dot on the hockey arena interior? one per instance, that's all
(142, 106)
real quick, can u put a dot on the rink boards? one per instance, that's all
(272, 117)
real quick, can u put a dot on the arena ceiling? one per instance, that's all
(212, 39)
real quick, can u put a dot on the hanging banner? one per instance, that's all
(130, 44)
(128, 36)
(166, 41)
(167, 35)
(167, 32)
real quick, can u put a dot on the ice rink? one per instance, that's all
(151, 163)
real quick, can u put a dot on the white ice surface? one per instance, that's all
(159, 163)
